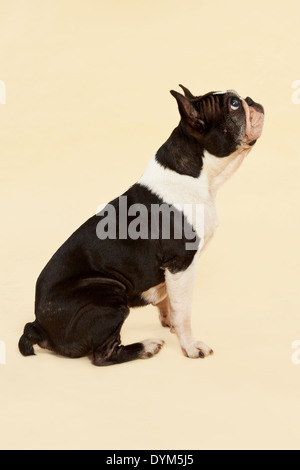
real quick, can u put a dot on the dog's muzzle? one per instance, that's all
(254, 120)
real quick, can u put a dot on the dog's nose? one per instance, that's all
(249, 101)
(256, 106)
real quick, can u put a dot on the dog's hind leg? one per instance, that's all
(113, 352)
(87, 320)
(97, 330)
(119, 353)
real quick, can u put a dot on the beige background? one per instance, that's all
(88, 104)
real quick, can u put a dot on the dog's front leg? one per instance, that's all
(180, 288)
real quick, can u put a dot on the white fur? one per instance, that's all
(180, 287)
(217, 170)
(152, 346)
(224, 92)
(155, 294)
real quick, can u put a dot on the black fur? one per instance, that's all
(181, 153)
(84, 293)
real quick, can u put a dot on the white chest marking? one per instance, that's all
(183, 190)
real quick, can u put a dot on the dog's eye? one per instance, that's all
(234, 104)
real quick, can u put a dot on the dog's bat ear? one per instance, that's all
(187, 92)
(185, 105)
(187, 110)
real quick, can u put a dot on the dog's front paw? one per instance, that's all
(197, 349)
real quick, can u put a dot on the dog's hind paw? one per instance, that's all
(151, 347)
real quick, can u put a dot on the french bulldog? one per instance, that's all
(113, 263)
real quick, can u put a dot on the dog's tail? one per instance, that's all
(33, 334)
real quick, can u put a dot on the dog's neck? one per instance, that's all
(181, 153)
(185, 156)
(216, 171)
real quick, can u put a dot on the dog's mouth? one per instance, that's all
(255, 114)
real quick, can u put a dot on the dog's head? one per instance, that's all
(222, 122)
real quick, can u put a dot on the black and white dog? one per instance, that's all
(84, 293)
